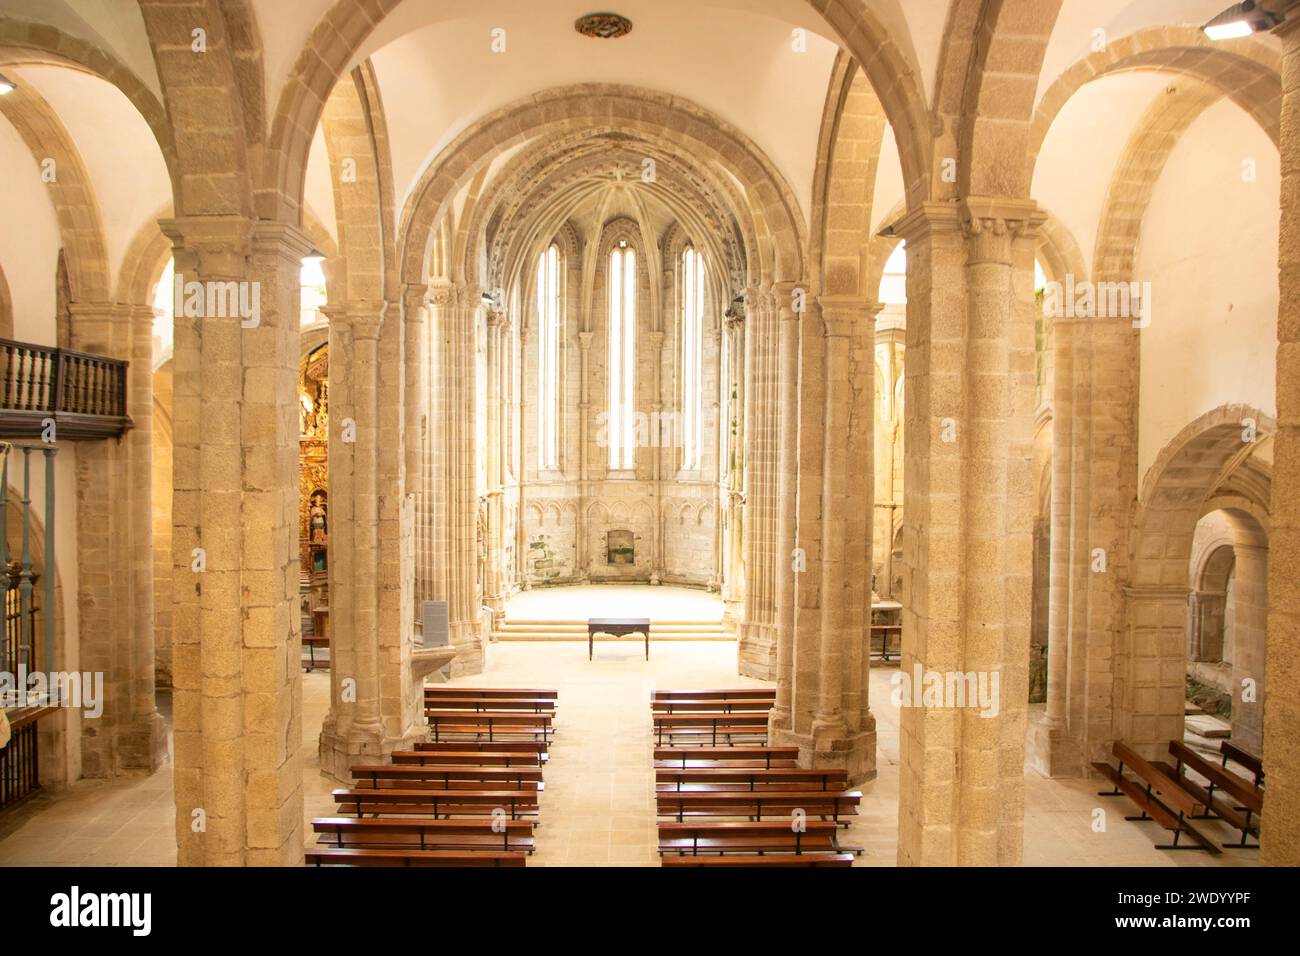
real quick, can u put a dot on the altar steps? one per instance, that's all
(576, 630)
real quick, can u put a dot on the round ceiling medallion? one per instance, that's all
(603, 26)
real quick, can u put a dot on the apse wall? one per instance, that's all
(654, 521)
(1209, 249)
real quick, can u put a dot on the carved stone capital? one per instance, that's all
(993, 226)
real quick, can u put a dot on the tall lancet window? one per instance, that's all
(622, 356)
(548, 358)
(692, 356)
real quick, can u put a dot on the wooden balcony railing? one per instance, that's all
(84, 394)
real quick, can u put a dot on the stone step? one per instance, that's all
(576, 631)
(1209, 727)
(1190, 709)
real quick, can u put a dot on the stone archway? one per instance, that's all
(1151, 656)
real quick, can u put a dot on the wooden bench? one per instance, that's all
(521, 747)
(728, 706)
(743, 693)
(766, 803)
(685, 757)
(709, 726)
(435, 701)
(1253, 764)
(437, 803)
(361, 856)
(703, 779)
(465, 758)
(1247, 795)
(749, 837)
(489, 724)
(1158, 796)
(777, 859)
(425, 834)
(443, 690)
(444, 777)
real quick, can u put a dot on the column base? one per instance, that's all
(466, 640)
(757, 651)
(854, 752)
(144, 745)
(1049, 750)
(340, 752)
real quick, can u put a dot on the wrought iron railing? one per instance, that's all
(20, 764)
(84, 394)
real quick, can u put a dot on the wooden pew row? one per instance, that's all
(710, 728)
(529, 705)
(779, 859)
(492, 725)
(444, 777)
(510, 804)
(776, 836)
(743, 693)
(521, 747)
(769, 804)
(704, 780)
(465, 758)
(1158, 796)
(716, 706)
(1245, 758)
(687, 757)
(444, 690)
(419, 834)
(1243, 792)
(374, 856)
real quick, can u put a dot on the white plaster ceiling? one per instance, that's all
(117, 147)
(1072, 36)
(438, 79)
(1079, 155)
(113, 25)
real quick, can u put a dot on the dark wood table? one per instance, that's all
(617, 627)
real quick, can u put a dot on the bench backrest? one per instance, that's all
(1250, 796)
(1243, 757)
(1171, 794)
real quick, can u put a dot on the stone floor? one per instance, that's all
(598, 806)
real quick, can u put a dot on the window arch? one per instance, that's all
(548, 357)
(622, 356)
(692, 292)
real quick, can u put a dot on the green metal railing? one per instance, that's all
(20, 568)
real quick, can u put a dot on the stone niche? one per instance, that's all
(620, 548)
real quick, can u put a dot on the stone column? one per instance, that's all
(494, 585)
(582, 559)
(415, 347)
(968, 516)
(1250, 622)
(237, 680)
(781, 717)
(733, 585)
(114, 510)
(757, 651)
(454, 385)
(832, 724)
(372, 601)
(660, 346)
(1280, 833)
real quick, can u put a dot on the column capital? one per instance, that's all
(584, 340)
(841, 314)
(496, 318)
(927, 219)
(363, 317)
(215, 245)
(993, 224)
(415, 296)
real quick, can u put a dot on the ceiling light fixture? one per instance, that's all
(1241, 20)
(6, 85)
(603, 26)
